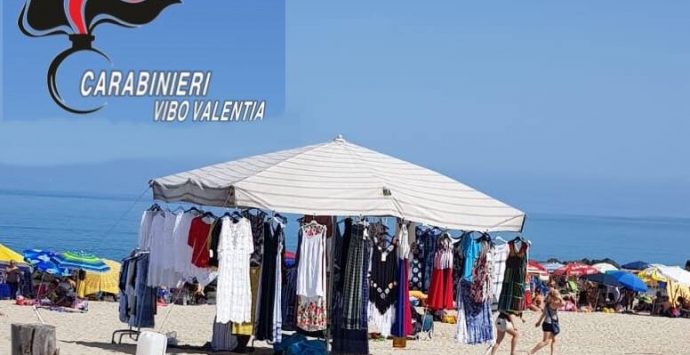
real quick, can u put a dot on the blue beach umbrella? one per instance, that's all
(636, 265)
(628, 280)
(80, 260)
(43, 261)
(604, 279)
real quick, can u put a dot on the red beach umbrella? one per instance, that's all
(534, 267)
(576, 269)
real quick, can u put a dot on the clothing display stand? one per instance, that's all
(133, 334)
(133, 331)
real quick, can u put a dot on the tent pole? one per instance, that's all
(329, 299)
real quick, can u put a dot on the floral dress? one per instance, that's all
(311, 278)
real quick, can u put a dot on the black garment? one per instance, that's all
(257, 223)
(346, 341)
(355, 285)
(458, 264)
(289, 299)
(383, 285)
(273, 239)
(213, 246)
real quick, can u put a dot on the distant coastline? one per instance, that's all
(107, 224)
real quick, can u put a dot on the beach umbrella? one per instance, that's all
(42, 260)
(534, 267)
(576, 269)
(552, 266)
(80, 260)
(95, 282)
(339, 178)
(604, 279)
(7, 255)
(635, 265)
(604, 267)
(628, 280)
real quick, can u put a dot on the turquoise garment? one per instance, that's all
(471, 249)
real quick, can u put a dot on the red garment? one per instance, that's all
(198, 240)
(441, 289)
(528, 299)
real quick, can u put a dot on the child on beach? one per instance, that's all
(549, 321)
(505, 323)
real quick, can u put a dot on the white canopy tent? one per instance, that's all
(339, 178)
(675, 273)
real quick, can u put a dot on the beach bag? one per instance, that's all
(427, 326)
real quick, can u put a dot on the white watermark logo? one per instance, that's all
(181, 95)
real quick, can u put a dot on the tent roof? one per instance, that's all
(339, 178)
(675, 273)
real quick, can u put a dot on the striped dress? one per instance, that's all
(513, 291)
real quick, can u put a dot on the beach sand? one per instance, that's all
(595, 333)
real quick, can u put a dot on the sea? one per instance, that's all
(107, 226)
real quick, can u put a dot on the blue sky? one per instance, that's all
(577, 107)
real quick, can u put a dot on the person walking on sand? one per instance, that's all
(13, 276)
(505, 323)
(549, 321)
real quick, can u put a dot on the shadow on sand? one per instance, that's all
(132, 348)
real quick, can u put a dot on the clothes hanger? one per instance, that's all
(194, 209)
(259, 213)
(499, 239)
(282, 219)
(207, 214)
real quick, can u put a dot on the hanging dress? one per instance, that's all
(157, 239)
(311, 279)
(441, 286)
(349, 341)
(234, 294)
(354, 279)
(500, 256)
(476, 307)
(383, 287)
(402, 324)
(145, 229)
(458, 263)
(467, 248)
(512, 297)
(423, 251)
(267, 291)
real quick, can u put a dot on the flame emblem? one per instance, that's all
(77, 19)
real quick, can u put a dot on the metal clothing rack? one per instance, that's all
(130, 331)
(133, 334)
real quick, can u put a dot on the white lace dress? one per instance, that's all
(234, 293)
